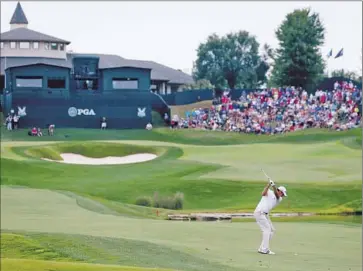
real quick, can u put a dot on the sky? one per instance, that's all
(170, 32)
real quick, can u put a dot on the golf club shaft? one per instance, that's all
(265, 174)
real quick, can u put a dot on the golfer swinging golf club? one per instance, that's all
(270, 199)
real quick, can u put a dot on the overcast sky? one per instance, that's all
(170, 32)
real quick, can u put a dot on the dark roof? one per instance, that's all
(25, 34)
(18, 16)
(107, 61)
(158, 71)
(25, 61)
(162, 72)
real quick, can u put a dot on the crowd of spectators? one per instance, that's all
(280, 110)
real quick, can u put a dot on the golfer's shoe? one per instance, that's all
(269, 252)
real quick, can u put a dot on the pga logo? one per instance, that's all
(73, 112)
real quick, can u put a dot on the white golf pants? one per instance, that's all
(263, 220)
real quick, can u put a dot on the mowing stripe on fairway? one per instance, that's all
(36, 265)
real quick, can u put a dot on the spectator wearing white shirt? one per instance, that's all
(16, 122)
(9, 124)
(103, 124)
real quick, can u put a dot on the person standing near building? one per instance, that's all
(103, 124)
(16, 122)
(9, 122)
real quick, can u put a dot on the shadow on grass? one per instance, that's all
(101, 250)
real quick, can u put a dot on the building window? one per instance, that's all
(54, 46)
(2, 82)
(29, 82)
(2, 45)
(61, 46)
(35, 45)
(46, 46)
(125, 83)
(57, 83)
(24, 45)
(174, 88)
(91, 84)
(13, 45)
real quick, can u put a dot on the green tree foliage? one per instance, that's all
(298, 61)
(230, 61)
(200, 84)
(346, 74)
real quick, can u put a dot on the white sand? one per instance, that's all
(72, 158)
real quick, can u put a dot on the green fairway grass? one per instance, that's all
(65, 217)
(223, 178)
(286, 163)
(202, 246)
(351, 220)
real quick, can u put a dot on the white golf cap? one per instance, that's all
(283, 190)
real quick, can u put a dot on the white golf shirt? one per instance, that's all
(268, 202)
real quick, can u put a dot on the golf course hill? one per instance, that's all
(92, 215)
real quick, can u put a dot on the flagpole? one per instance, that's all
(327, 60)
(5, 73)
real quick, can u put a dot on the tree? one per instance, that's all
(298, 61)
(200, 84)
(346, 74)
(230, 61)
(360, 68)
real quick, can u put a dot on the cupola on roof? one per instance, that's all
(19, 16)
(19, 30)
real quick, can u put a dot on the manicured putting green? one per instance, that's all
(231, 245)
(319, 162)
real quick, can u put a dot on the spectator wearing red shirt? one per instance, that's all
(34, 131)
(323, 99)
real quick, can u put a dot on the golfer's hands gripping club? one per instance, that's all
(271, 182)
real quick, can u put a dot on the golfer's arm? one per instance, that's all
(275, 192)
(265, 190)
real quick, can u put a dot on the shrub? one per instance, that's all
(144, 201)
(179, 200)
(172, 203)
(157, 120)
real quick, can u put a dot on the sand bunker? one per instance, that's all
(72, 158)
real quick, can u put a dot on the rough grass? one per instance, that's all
(36, 265)
(184, 136)
(181, 109)
(97, 250)
(73, 232)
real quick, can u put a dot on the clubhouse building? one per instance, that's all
(37, 72)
